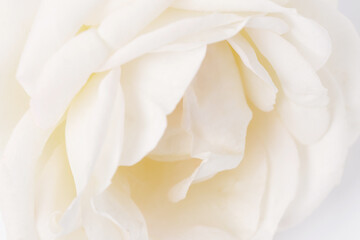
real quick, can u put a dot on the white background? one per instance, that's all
(338, 218)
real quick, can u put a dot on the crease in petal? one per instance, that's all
(64, 75)
(139, 12)
(14, 15)
(56, 191)
(153, 86)
(94, 131)
(233, 196)
(116, 204)
(179, 29)
(94, 138)
(175, 144)
(260, 88)
(310, 39)
(270, 23)
(17, 177)
(306, 124)
(56, 22)
(297, 78)
(345, 57)
(322, 162)
(220, 142)
(282, 180)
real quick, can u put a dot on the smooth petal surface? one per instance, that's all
(17, 176)
(274, 24)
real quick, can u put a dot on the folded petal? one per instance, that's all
(234, 197)
(283, 168)
(260, 88)
(322, 162)
(296, 76)
(139, 12)
(94, 132)
(175, 144)
(17, 178)
(56, 22)
(310, 39)
(307, 124)
(116, 205)
(14, 15)
(152, 40)
(221, 141)
(56, 190)
(153, 86)
(97, 226)
(65, 74)
(345, 57)
(274, 24)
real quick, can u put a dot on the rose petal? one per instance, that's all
(99, 227)
(345, 58)
(150, 96)
(298, 80)
(307, 124)
(168, 34)
(221, 141)
(310, 39)
(56, 22)
(116, 204)
(55, 193)
(94, 132)
(234, 197)
(283, 168)
(139, 12)
(322, 163)
(260, 88)
(220, 148)
(17, 176)
(65, 74)
(274, 24)
(14, 15)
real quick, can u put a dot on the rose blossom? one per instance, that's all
(172, 120)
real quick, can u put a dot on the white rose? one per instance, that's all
(172, 120)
